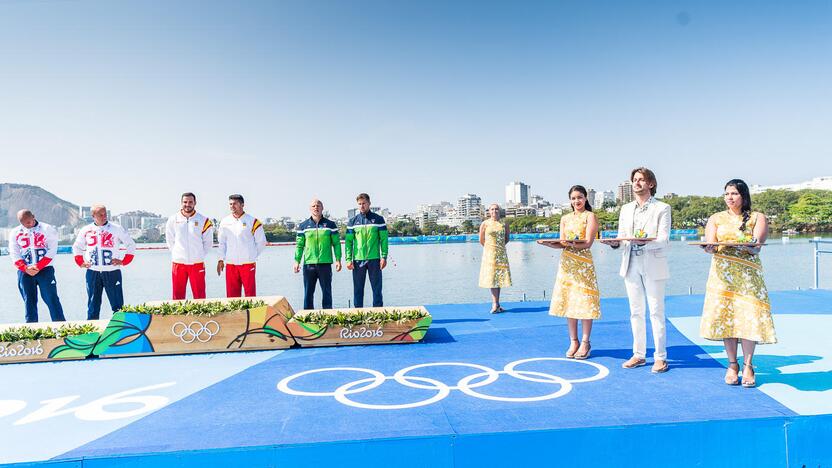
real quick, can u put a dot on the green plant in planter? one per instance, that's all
(24, 333)
(206, 309)
(78, 341)
(355, 317)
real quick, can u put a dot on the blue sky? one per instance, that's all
(132, 102)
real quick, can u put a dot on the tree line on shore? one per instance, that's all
(803, 210)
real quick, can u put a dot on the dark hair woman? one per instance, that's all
(575, 294)
(737, 308)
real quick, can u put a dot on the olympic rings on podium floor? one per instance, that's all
(195, 331)
(466, 385)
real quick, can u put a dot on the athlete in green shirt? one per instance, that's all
(366, 251)
(317, 243)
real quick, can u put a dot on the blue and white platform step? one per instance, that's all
(482, 390)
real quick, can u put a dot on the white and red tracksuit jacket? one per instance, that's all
(99, 245)
(35, 246)
(241, 239)
(189, 239)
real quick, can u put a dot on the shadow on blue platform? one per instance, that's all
(526, 310)
(767, 368)
(438, 335)
(678, 357)
(459, 321)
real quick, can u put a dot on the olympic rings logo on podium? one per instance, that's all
(195, 331)
(467, 385)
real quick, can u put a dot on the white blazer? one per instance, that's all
(658, 226)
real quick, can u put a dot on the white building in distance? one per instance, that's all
(818, 183)
(383, 212)
(431, 212)
(603, 197)
(129, 220)
(590, 195)
(538, 201)
(469, 207)
(625, 192)
(151, 222)
(519, 211)
(517, 193)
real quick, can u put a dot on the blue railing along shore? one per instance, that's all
(675, 234)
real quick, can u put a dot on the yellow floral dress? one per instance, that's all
(494, 271)
(575, 294)
(736, 298)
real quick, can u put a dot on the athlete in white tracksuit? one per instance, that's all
(32, 246)
(190, 236)
(241, 240)
(98, 249)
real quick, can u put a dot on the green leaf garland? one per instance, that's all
(24, 333)
(205, 309)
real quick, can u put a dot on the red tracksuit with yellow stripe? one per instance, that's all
(241, 241)
(189, 240)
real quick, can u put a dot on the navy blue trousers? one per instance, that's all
(317, 273)
(360, 270)
(99, 281)
(45, 280)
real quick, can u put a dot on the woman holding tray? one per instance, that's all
(736, 300)
(575, 295)
(494, 270)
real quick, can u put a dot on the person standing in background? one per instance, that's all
(494, 270)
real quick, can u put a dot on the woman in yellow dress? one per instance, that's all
(494, 270)
(575, 295)
(736, 300)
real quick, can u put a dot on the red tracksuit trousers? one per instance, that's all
(238, 277)
(182, 274)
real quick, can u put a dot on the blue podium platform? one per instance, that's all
(481, 390)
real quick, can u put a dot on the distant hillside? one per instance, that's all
(139, 214)
(46, 206)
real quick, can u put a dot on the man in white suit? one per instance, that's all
(644, 266)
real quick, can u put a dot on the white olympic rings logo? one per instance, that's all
(195, 331)
(466, 385)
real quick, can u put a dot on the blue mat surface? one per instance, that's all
(481, 390)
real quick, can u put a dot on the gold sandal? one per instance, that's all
(570, 353)
(736, 380)
(586, 354)
(753, 382)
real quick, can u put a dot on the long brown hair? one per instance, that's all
(742, 188)
(648, 175)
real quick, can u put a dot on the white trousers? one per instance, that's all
(638, 284)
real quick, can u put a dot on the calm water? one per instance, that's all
(419, 274)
